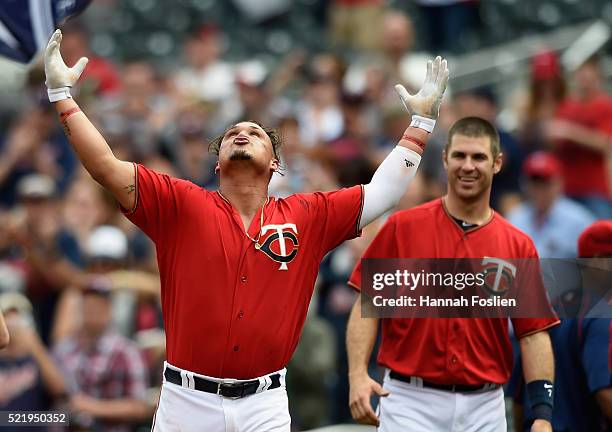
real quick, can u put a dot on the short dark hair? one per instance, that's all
(475, 127)
(273, 134)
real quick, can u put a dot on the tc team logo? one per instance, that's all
(282, 245)
(499, 275)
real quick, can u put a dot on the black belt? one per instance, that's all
(228, 390)
(457, 388)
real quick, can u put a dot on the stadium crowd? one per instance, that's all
(78, 282)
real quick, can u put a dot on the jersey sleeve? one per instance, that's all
(157, 202)
(336, 215)
(384, 245)
(541, 315)
(595, 346)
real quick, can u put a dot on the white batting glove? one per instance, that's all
(425, 105)
(59, 76)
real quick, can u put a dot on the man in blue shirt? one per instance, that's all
(583, 386)
(549, 218)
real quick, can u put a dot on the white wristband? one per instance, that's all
(58, 94)
(427, 124)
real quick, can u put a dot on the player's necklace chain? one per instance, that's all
(261, 219)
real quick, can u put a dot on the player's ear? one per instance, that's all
(217, 168)
(498, 162)
(274, 165)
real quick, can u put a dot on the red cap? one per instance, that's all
(545, 66)
(596, 240)
(542, 164)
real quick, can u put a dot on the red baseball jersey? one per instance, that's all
(470, 351)
(231, 310)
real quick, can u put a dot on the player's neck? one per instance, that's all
(247, 198)
(476, 212)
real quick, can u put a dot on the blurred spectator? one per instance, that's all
(4, 334)
(86, 205)
(581, 134)
(188, 150)
(319, 113)
(336, 300)
(311, 372)
(207, 79)
(482, 102)
(547, 89)
(100, 76)
(35, 143)
(548, 217)
(51, 251)
(448, 23)
(255, 97)
(356, 24)
(134, 295)
(140, 112)
(29, 379)
(12, 266)
(582, 390)
(403, 66)
(105, 372)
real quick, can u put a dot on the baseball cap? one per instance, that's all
(545, 65)
(541, 164)
(596, 240)
(36, 186)
(15, 301)
(107, 242)
(252, 73)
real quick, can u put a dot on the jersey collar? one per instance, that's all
(456, 225)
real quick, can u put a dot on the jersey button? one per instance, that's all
(454, 359)
(243, 279)
(236, 348)
(240, 314)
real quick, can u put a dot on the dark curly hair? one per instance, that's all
(273, 134)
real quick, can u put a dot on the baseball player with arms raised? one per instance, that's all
(237, 267)
(446, 374)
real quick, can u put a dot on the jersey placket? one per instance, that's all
(455, 353)
(241, 284)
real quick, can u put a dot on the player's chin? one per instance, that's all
(240, 155)
(468, 192)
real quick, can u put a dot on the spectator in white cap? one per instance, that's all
(107, 249)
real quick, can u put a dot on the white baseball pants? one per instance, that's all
(422, 409)
(184, 409)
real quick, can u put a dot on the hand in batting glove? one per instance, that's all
(59, 76)
(425, 105)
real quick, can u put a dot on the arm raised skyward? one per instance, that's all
(394, 174)
(118, 177)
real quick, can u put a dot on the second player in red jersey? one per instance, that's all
(445, 374)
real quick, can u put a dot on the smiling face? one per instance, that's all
(470, 167)
(246, 144)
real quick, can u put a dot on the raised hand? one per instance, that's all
(59, 76)
(426, 102)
